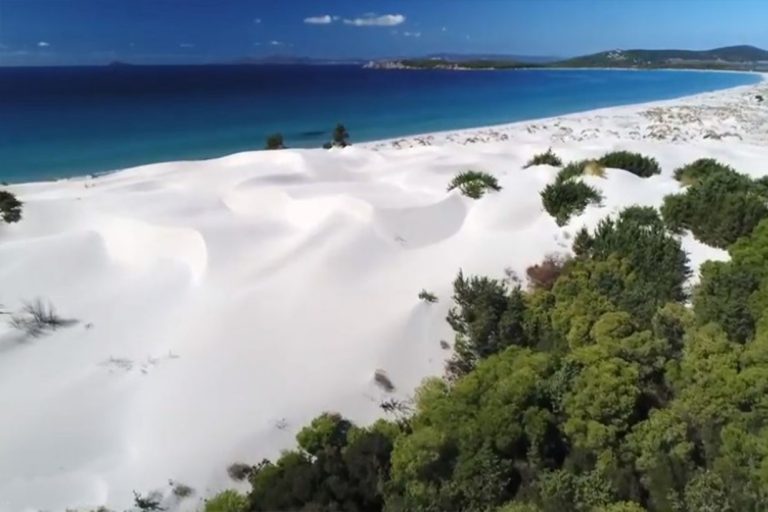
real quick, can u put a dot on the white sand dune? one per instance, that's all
(222, 304)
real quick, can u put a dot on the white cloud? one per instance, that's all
(276, 43)
(412, 34)
(444, 29)
(43, 44)
(372, 20)
(257, 21)
(319, 20)
(186, 45)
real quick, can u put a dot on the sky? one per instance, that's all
(67, 32)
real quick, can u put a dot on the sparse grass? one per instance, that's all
(635, 163)
(563, 199)
(547, 158)
(239, 471)
(383, 381)
(37, 317)
(427, 296)
(703, 167)
(572, 170)
(474, 184)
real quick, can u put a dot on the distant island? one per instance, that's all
(737, 58)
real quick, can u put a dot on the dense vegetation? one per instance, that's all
(720, 205)
(10, 207)
(546, 158)
(635, 163)
(474, 184)
(594, 389)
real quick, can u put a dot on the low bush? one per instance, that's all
(383, 381)
(635, 163)
(239, 471)
(703, 167)
(474, 184)
(10, 207)
(427, 296)
(565, 198)
(548, 158)
(275, 141)
(718, 208)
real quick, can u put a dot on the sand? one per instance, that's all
(222, 304)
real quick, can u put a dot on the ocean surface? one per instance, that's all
(61, 122)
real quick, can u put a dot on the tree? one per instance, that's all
(275, 141)
(10, 207)
(339, 138)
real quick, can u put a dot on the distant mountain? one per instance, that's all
(729, 57)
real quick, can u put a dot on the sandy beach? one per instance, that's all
(222, 304)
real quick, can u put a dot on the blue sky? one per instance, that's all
(195, 31)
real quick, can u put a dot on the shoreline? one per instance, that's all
(445, 136)
(479, 134)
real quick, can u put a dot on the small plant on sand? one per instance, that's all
(383, 381)
(339, 138)
(563, 199)
(10, 207)
(635, 163)
(37, 317)
(180, 490)
(150, 502)
(275, 141)
(239, 471)
(474, 184)
(548, 158)
(759, 98)
(427, 297)
(699, 169)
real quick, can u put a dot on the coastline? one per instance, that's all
(488, 132)
(505, 131)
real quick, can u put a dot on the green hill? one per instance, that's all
(731, 57)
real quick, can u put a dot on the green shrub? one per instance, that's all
(548, 158)
(275, 141)
(718, 209)
(227, 501)
(703, 167)
(10, 207)
(474, 184)
(563, 199)
(635, 163)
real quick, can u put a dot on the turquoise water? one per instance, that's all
(60, 122)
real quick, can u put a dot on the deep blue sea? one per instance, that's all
(60, 122)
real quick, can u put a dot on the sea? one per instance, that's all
(60, 122)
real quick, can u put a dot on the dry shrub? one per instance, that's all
(543, 276)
